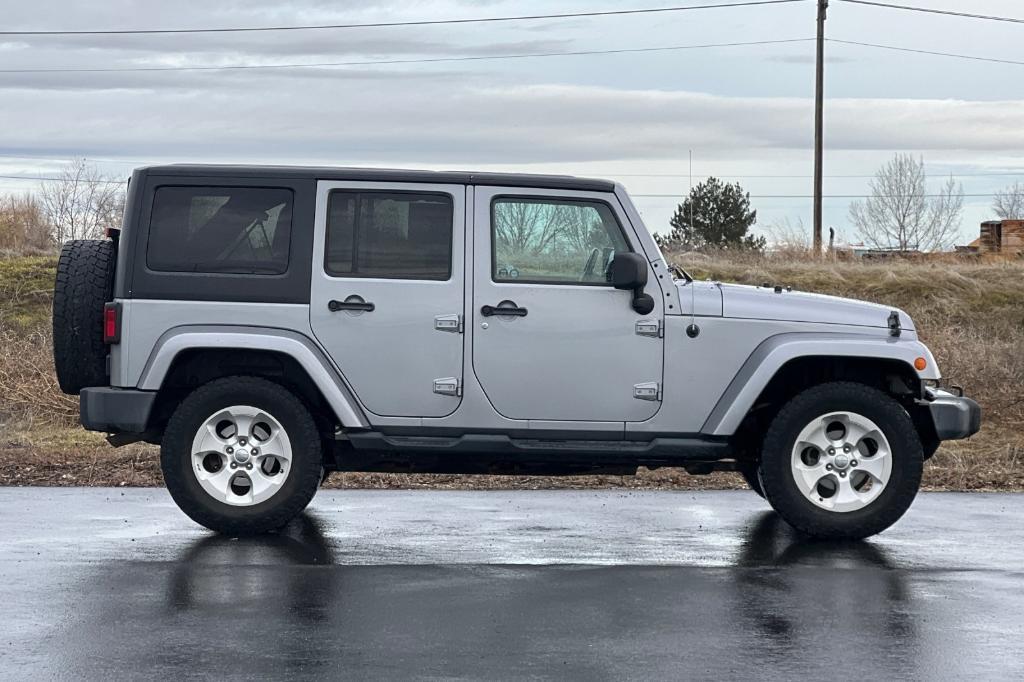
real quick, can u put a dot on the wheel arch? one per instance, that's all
(784, 365)
(187, 357)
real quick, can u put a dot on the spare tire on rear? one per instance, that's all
(85, 282)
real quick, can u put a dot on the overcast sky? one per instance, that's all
(746, 112)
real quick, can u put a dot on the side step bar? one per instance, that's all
(487, 444)
(491, 453)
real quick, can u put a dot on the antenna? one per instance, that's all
(690, 195)
(693, 330)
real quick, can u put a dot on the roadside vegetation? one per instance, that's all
(971, 314)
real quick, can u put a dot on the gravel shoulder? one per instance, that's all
(73, 457)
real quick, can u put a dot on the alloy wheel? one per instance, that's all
(241, 455)
(841, 461)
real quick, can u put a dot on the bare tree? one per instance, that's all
(23, 227)
(1009, 203)
(787, 235)
(529, 227)
(82, 202)
(900, 214)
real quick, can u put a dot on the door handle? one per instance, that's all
(503, 308)
(365, 306)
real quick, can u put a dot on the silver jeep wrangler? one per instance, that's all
(269, 325)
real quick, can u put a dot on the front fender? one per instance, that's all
(296, 346)
(773, 353)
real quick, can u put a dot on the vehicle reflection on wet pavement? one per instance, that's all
(609, 584)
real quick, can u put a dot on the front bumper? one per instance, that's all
(115, 410)
(955, 417)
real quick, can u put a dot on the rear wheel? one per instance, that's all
(841, 460)
(241, 455)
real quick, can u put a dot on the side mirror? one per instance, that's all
(629, 272)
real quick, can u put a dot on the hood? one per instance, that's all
(768, 303)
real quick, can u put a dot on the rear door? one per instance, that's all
(387, 292)
(570, 347)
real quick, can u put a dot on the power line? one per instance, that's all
(928, 52)
(679, 196)
(610, 174)
(638, 196)
(800, 177)
(525, 55)
(427, 60)
(931, 10)
(391, 24)
(808, 196)
(646, 175)
(47, 177)
(64, 159)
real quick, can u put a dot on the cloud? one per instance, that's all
(211, 49)
(171, 82)
(466, 121)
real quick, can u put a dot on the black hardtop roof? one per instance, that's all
(383, 175)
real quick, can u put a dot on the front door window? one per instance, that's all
(552, 241)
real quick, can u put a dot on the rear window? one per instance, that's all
(390, 235)
(243, 230)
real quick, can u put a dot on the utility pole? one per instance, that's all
(819, 110)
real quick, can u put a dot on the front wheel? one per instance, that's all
(750, 471)
(241, 455)
(841, 460)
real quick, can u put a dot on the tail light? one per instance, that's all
(112, 323)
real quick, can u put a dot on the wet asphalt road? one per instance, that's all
(117, 584)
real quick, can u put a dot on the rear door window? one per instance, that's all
(389, 235)
(243, 230)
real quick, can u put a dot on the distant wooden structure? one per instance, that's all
(1002, 237)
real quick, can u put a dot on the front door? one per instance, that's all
(553, 340)
(387, 292)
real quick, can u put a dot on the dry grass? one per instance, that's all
(970, 313)
(31, 396)
(28, 386)
(26, 289)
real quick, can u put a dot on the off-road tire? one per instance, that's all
(749, 472)
(296, 492)
(84, 283)
(907, 461)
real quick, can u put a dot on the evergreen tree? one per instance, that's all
(721, 219)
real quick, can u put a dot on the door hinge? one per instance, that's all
(652, 328)
(448, 386)
(650, 390)
(449, 323)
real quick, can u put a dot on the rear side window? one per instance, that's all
(244, 230)
(390, 235)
